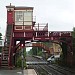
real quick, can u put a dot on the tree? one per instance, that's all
(73, 35)
(34, 51)
(64, 52)
(39, 51)
(30, 52)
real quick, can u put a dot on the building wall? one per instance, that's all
(56, 48)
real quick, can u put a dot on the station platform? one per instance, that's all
(18, 72)
(30, 72)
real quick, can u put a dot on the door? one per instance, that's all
(9, 17)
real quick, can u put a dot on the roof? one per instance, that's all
(10, 6)
(19, 7)
(23, 7)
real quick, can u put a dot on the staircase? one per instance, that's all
(6, 49)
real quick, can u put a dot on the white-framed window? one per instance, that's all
(18, 16)
(23, 17)
(27, 16)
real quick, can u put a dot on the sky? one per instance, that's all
(59, 14)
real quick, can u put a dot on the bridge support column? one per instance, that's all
(13, 61)
(70, 53)
(23, 54)
(67, 52)
(14, 53)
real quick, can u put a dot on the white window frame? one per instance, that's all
(26, 20)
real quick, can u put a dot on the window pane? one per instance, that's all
(18, 16)
(23, 17)
(27, 16)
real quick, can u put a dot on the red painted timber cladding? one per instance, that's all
(19, 34)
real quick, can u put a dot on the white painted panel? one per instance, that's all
(27, 23)
(18, 23)
(28, 45)
(27, 16)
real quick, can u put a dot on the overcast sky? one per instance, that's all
(59, 14)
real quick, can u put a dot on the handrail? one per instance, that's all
(0, 61)
(60, 33)
(2, 53)
(41, 26)
(53, 34)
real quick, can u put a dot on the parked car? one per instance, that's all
(52, 58)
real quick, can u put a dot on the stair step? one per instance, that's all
(6, 46)
(4, 62)
(5, 51)
(8, 34)
(8, 42)
(2, 66)
(5, 58)
(5, 54)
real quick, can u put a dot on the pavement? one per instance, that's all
(29, 72)
(11, 72)
(18, 72)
